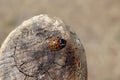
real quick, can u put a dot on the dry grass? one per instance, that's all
(97, 23)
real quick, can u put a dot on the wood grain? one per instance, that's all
(25, 54)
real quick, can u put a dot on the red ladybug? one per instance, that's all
(56, 43)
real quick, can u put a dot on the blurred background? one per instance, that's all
(96, 22)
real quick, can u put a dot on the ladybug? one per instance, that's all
(56, 43)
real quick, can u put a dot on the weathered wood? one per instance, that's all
(26, 55)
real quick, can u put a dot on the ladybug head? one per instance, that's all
(63, 43)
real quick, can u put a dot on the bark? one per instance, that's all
(26, 55)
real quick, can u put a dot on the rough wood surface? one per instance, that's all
(26, 55)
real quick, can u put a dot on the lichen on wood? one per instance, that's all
(26, 55)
